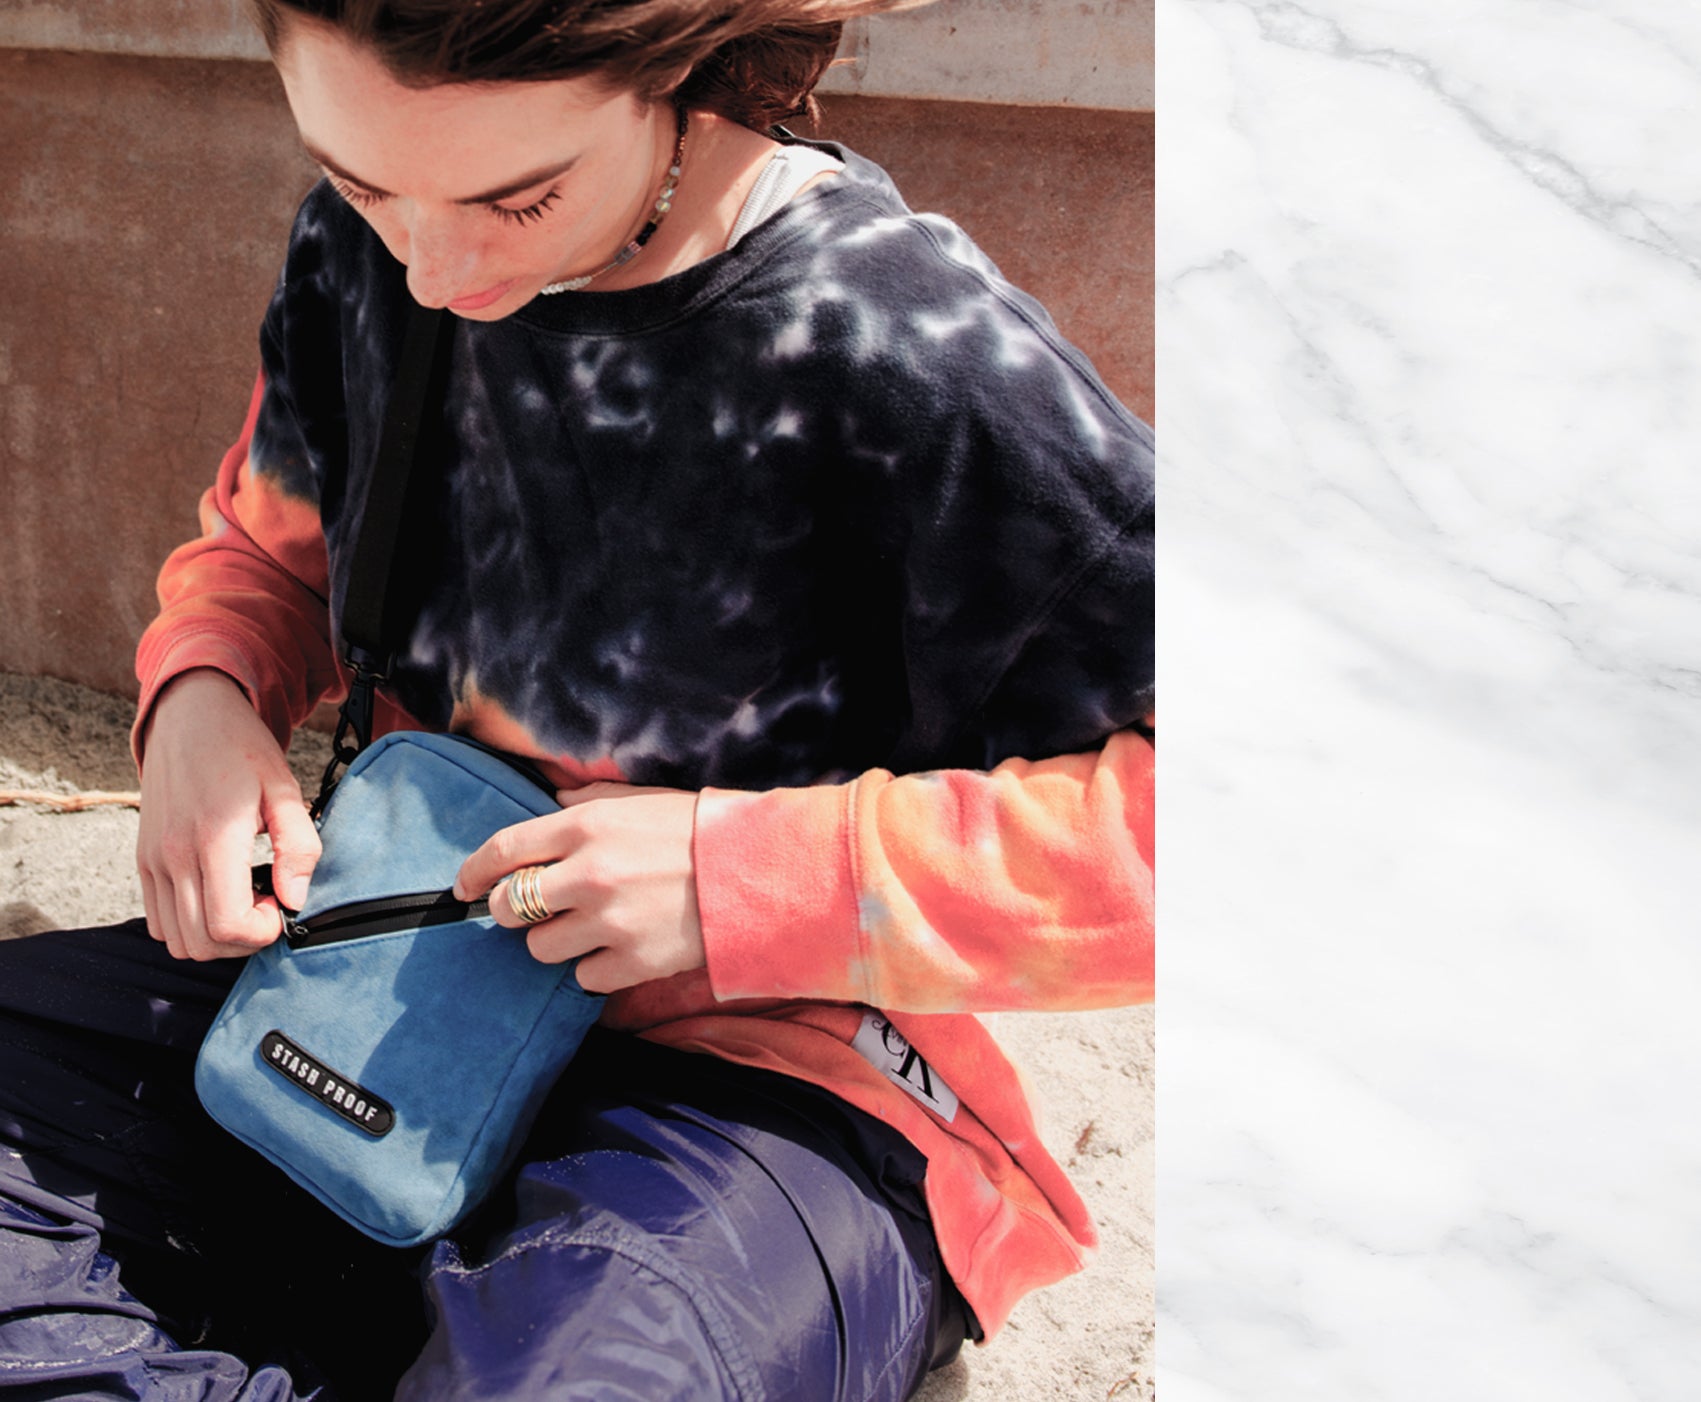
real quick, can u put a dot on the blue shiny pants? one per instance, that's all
(678, 1228)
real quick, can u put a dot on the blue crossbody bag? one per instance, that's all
(391, 1050)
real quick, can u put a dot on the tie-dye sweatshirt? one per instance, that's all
(833, 528)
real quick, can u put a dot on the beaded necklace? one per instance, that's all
(664, 202)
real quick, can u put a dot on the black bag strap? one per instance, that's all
(377, 612)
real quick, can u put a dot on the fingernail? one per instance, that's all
(293, 892)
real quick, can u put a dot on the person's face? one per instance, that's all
(485, 193)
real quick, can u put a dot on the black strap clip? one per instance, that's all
(354, 720)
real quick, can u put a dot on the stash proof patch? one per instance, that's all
(359, 1106)
(884, 1047)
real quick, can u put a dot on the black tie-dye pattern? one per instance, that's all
(838, 498)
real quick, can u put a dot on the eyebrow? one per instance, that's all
(501, 192)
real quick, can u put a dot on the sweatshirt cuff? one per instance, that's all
(776, 891)
(214, 651)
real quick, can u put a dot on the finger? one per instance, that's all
(191, 926)
(235, 921)
(191, 895)
(549, 891)
(150, 906)
(162, 914)
(567, 936)
(608, 960)
(604, 971)
(295, 844)
(162, 886)
(534, 842)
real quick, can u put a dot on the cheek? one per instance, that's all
(519, 249)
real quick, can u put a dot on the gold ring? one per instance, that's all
(525, 894)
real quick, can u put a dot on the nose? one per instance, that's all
(442, 259)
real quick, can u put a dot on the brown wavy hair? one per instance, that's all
(754, 61)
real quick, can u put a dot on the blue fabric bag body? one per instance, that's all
(392, 1051)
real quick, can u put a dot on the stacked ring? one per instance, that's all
(525, 894)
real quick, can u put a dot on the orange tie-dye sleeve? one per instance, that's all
(248, 596)
(1027, 887)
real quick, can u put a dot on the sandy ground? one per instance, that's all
(1091, 1073)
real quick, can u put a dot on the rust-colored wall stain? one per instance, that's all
(147, 203)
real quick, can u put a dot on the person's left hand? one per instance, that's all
(617, 872)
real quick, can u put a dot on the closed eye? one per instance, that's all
(531, 213)
(361, 199)
(365, 199)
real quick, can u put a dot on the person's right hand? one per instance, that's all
(213, 777)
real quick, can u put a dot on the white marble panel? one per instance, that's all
(1430, 638)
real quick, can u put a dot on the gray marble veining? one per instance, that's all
(1430, 644)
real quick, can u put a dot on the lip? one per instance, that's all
(480, 299)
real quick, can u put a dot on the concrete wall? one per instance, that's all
(1086, 53)
(146, 200)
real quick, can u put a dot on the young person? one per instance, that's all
(800, 551)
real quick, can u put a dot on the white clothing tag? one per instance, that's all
(885, 1049)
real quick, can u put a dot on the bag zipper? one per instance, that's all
(383, 916)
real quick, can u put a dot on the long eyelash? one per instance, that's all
(366, 198)
(361, 198)
(531, 213)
